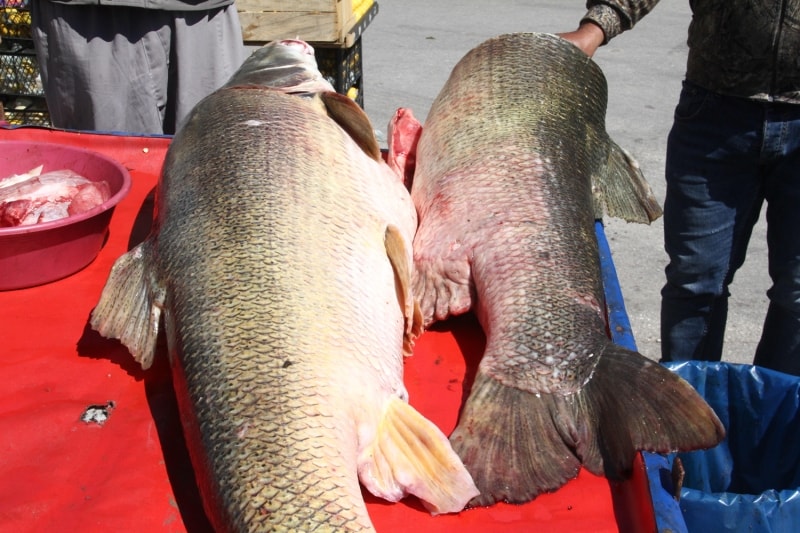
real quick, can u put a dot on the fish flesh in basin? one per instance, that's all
(280, 263)
(513, 166)
(35, 197)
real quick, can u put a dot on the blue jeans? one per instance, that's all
(725, 157)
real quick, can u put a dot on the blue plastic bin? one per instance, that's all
(750, 482)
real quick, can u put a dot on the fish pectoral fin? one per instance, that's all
(352, 119)
(403, 137)
(621, 191)
(397, 252)
(130, 306)
(410, 455)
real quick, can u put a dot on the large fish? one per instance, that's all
(280, 262)
(512, 167)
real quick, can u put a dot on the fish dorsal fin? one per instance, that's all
(130, 306)
(410, 455)
(354, 121)
(398, 256)
(620, 189)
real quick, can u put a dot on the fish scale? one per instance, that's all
(280, 260)
(262, 478)
(513, 165)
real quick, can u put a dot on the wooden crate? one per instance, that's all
(314, 21)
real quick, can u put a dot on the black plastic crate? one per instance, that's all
(25, 110)
(342, 68)
(15, 19)
(19, 69)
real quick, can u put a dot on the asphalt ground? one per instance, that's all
(411, 46)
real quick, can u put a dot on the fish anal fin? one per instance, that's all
(399, 257)
(410, 455)
(621, 190)
(130, 306)
(354, 121)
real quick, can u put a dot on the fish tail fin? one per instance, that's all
(129, 309)
(621, 190)
(410, 455)
(518, 444)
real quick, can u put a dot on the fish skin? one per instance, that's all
(513, 165)
(280, 261)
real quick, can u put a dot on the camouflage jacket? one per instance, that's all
(747, 48)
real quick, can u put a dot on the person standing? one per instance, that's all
(734, 144)
(136, 66)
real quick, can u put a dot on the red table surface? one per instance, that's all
(58, 473)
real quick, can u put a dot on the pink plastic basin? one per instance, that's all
(40, 253)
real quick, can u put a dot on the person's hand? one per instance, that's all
(588, 37)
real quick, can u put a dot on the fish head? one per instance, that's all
(287, 65)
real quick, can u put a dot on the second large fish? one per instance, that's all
(513, 165)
